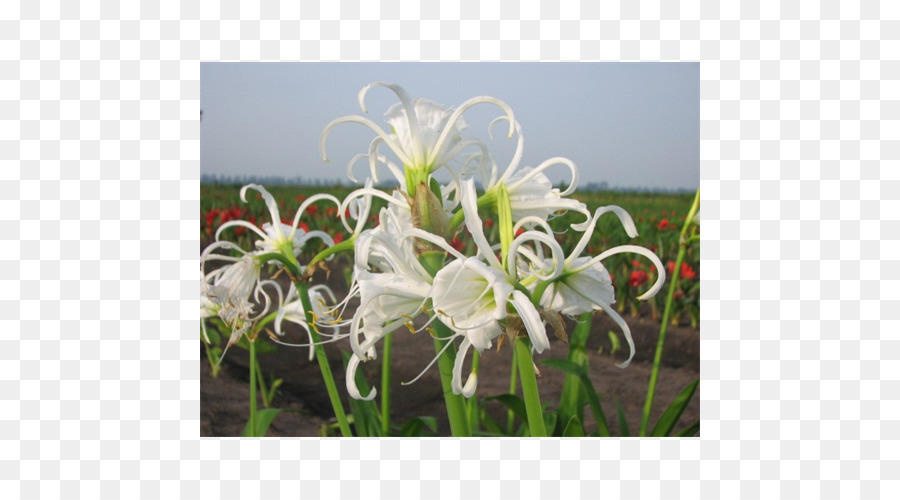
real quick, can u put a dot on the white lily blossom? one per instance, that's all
(424, 135)
(292, 311)
(231, 291)
(276, 236)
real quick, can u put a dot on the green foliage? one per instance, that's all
(670, 417)
(264, 419)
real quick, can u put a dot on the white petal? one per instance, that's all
(532, 320)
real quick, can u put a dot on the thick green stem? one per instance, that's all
(529, 389)
(455, 403)
(386, 385)
(262, 386)
(324, 366)
(673, 285)
(253, 388)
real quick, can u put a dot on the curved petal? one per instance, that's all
(625, 330)
(555, 249)
(391, 143)
(660, 269)
(352, 389)
(270, 203)
(411, 116)
(547, 164)
(457, 113)
(306, 203)
(244, 224)
(624, 218)
(456, 381)
(517, 156)
(469, 200)
(532, 320)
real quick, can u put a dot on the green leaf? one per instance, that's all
(264, 419)
(550, 419)
(574, 428)
(670, 417)
(514, 403)
(623, 423)
(415, 425)
(587, 387)
(691, 430)
(490, 424)
(572, 399)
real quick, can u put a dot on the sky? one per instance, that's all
(631, 125)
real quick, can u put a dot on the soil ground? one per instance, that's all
(224, 399)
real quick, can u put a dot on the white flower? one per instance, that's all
(276, 236)
(424, 136)
(292, 311)
(583, 283)
(231, 291)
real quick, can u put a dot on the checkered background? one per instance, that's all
(99, 210)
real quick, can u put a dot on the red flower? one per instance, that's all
(457, 244)
(638, 278)
(338, 238)
(331, 211)
(520, 231)
(663, 224)
(239, 230)
(636, 264)
(303, 226)
(670, 267)
(312, 209)
(687, 272)
(489, 223)
(300, 198)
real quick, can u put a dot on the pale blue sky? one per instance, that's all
(629, 124)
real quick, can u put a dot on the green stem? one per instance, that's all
(386, 385)
(262, 386)
(253, 388)
(513, 388)
(455, 403)
(529, 389)
(324, 366)
(343, 246)
(673, 285)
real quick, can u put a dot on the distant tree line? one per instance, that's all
(275, 180)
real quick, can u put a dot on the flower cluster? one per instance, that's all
(234, 292)
(412, 263)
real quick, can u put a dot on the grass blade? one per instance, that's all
(587, 389)
(670, 417)
(574, 428)
(264, 419)
(691, 430)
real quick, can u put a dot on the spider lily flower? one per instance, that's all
(424, 135)
(230, 294)
(472, 298)
(292, 311)
(277, 237)
(388, 301)
(584, 284)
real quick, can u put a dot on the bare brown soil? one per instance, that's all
(225, 399)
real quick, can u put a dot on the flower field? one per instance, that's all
(658, 218)
(286, 375)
